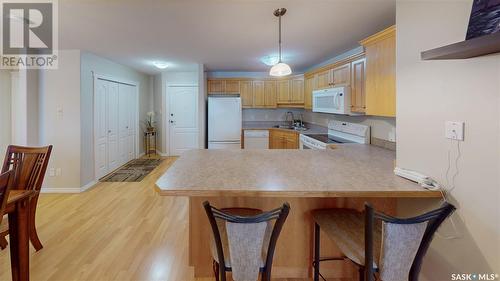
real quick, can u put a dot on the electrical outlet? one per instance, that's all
(58, 172)
(454, 130)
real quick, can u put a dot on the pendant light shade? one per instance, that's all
(281, 68)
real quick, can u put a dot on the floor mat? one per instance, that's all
(134, 171)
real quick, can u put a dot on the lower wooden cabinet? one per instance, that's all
(283, 139)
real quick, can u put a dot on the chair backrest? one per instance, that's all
(246, 238)
(29, 165)
(4, 191)
(404, 242)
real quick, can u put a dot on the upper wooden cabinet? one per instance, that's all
(324, 79)
(283, 91)
(246, 94)
(290, 92)
(297, 91)
(259, 97)
(232, 87)
(342, 75)
(380, 50)
(308, 89)
(270, 94)
(216, 86)
(358, 86)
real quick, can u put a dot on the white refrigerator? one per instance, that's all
(224, 122)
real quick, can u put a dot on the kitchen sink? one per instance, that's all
(290, 127)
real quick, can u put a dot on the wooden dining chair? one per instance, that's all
(245, 245)
(29, 165)
(4, 192)
(383, 247)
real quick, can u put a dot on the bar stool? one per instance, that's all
(244, 244)
(392, 247)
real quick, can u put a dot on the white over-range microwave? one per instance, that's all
(332, 100)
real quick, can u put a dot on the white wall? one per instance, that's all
(60, 119)
(431, 92)
(92, 63)
(5, 112)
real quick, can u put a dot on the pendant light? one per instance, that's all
(281, 68)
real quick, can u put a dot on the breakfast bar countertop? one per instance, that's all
(349, 170)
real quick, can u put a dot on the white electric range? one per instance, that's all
(338, 132)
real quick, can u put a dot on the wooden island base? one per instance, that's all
(294, 250)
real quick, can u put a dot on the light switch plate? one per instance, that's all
(454, 130)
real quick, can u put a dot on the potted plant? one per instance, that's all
(150, 121)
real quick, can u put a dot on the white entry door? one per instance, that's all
(183, 119)
(113, 126)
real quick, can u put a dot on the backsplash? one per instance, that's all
(381, 127)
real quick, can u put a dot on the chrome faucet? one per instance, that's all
(289, 113)
(301, 120)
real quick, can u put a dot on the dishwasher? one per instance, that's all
(256, 139)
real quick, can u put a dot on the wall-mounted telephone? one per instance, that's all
(423, 180)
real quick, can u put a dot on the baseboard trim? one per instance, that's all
(161, 153)
(88, 186)
(61, 190)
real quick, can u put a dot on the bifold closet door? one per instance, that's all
(101, 127)
(115, 117)
(113, 127)
(126, 117)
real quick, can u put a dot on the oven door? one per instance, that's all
(308, 143)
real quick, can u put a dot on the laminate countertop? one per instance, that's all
(349, 170)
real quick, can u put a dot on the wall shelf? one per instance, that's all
(481, 46)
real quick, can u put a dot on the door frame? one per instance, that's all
(166, 104)
(114, 79)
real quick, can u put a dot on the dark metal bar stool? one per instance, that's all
(244, 245)
(393, 248)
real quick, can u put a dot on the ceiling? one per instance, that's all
(224, 35)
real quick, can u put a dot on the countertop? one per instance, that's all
(265, 125)
(349, 170)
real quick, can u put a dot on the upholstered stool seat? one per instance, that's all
(392, 247)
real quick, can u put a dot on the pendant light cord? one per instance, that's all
(279, 32)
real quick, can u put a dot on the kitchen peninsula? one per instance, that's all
(346, 176)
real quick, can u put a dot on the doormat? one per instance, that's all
(134, 171)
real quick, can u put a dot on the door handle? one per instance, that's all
(109, 131)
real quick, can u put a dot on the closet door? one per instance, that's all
(113, 127)
(101, 128)
(132, 134)
(127, 94)
(123, 120)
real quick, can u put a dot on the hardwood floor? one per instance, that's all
(115, 231)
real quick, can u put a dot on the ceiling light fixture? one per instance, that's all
(160, 65)
(281, 68)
